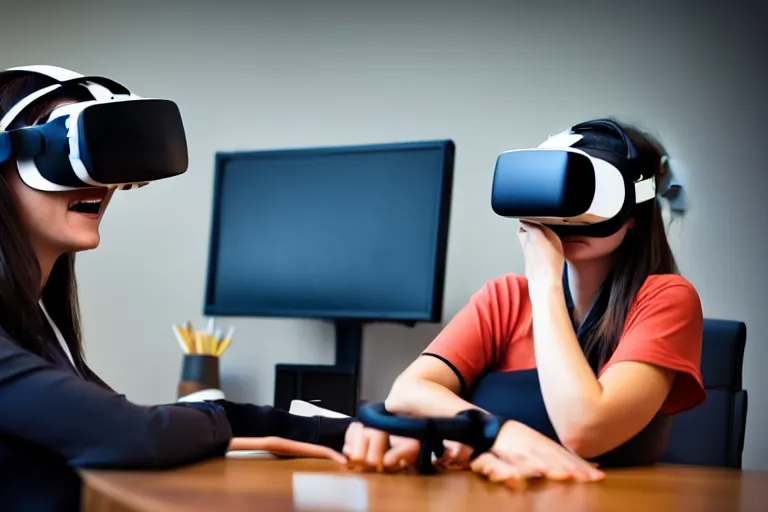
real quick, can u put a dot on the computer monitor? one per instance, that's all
(338, 233)
(351, 234)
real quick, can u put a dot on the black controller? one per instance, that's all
(472, 427)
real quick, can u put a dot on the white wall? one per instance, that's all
(262, 75)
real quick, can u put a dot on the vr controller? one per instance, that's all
(115, 139)
(472, 427)
(576, 183)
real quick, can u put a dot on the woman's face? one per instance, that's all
(59, 222)
(584, 248)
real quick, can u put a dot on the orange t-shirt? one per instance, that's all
(664, 327)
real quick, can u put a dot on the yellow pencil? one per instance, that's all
(180, 338)
(223, 344)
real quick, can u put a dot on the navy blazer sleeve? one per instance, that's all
(90, 426)
(263, 421)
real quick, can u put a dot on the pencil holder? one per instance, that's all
(199, 372)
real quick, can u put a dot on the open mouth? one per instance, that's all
(86, 206)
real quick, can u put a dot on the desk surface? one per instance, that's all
(233, 485)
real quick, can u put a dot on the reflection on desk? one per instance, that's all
(233, 485)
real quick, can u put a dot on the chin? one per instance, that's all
(579, 251)
(84, 243)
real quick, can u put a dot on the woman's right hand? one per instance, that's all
(368, 448)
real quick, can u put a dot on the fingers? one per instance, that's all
(402, 454)
(528, 226)
(566, 463)
(355, 444)
(498, 470)
(373, 449)
(378, 444)
(286, 447)
(456, 456)
(554, 463)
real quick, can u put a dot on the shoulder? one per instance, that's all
(505, 283)
(670, 292)
(7, 342)
(667, 307)
(502, 291)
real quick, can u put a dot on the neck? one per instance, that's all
(46, 260)
(584, 281)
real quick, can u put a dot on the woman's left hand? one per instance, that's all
(543, 253)
(286, 448)
(520, 453)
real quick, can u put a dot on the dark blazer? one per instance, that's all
(53, 420)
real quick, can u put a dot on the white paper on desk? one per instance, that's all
(321, 491)
(302, 408)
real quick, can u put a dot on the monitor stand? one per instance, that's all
(335, 387)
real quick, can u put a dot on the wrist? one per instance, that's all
(545, 288)
(485, 429)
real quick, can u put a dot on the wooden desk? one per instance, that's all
(231, 485)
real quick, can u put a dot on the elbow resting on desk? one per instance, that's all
(594, 434)
(585, 443)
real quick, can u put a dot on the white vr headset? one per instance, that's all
(110, 137)
(572, 186)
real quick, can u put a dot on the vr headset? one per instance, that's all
(110, 138)
(585, 181)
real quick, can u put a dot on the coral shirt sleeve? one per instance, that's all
(665, 328)
(470, 343)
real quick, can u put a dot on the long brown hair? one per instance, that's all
(644, 252)
(20, 274)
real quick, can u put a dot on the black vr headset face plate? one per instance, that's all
(560, 181)
(132, 141)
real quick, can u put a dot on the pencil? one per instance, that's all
(187, 338)
(224, 344)
(191, 337)
(182, 341)
(210, 343)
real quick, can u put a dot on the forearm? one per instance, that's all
(569, 387)
(419, 397)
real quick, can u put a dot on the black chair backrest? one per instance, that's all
(712, 434)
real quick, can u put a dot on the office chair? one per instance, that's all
(712, 434)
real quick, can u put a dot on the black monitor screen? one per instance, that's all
(343, 233)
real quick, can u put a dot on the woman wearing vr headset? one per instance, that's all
(55, 412)
(595, 358)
